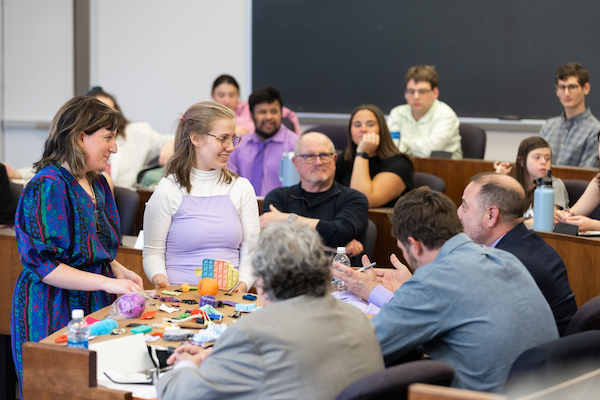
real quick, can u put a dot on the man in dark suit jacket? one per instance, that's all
(491, 212)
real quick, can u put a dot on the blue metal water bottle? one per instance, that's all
(543, 204)
(287, 171)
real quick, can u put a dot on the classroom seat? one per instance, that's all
(473, 140)
(575, 188)
(393, 382)
(337, 133)
(127, 202)
(549, 364)
(586, 318)
(434, 182)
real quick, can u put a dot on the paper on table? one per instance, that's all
(138, 391)
(125, 355)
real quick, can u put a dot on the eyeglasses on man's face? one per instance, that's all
(311, 158)
(226, 141)
(422, 92)
(572, 88)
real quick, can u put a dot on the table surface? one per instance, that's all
(158, 318)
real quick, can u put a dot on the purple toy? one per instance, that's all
(208, 300)
(132, 305)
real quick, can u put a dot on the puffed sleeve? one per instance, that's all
(43, 226)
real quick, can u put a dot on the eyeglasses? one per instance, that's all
(311, 158)
(226, 141)
(411, 92)
(572, 88)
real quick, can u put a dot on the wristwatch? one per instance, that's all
(292, 217)
(363, 154)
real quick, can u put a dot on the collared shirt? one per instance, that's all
(437, 130)
(242, 160)
(573, 141)
(473, 308)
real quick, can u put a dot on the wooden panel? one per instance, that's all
(456, 173)
(582, 258)
(10, 268)
(422, 391)
(51, 371)
(132, 259)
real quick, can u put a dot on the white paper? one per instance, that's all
(138, 391)
(124, 355)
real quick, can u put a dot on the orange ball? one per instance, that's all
(208, 286)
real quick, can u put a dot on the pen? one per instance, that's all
(366, 267)
(233, 288)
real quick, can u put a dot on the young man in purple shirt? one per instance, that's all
(257, 158)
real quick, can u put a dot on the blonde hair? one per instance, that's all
(200, 119)
(80, 114)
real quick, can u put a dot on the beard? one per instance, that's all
(265, 135)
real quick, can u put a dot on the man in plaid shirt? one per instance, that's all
(573, 136)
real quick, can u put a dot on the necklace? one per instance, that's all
(96, 224)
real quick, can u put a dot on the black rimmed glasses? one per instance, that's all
(422, 92)
(226, 141)
(311, 158)
(572, 88)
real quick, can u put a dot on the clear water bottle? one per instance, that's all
(342, 258)
(543, 204)
(78, 331)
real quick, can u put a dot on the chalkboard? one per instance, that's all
(494, 57)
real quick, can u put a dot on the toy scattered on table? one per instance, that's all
(185, 287)
(232, 289)
(210, 334)
(188, 301)
(167, 299)
(148, 315)
(164, 307)
(182, 316)
(130, 305)
(141, 329)
(237, 314)
(222, 271)
(209, 300)
(103, 327)
(171, 293)
(178, 335)
(228, 303)
(245, 307)
(250, 297)
(118, 331)
(208, 286)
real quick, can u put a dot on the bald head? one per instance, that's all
(501, 191)
(314, 137)
(492, 205)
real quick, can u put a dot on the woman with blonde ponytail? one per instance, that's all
(201, 210)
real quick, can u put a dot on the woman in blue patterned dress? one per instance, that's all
(67, 228)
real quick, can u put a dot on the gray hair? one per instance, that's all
(325, 137)
(291, 261)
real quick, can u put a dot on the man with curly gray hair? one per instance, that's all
(302, 344)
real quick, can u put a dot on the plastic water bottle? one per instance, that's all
(342, 258)
(543, 204)
(78, 331)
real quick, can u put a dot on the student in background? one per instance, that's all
(138, 144)
(67, 227)
(226, 91)
(573, 134)
(587, 203)
(425, 123)
(534, 159)
(371, 163)
(201, 209)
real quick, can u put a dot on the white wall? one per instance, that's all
(37, 72)
(159, 57)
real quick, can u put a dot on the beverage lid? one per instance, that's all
(77, 314)
(341, 250)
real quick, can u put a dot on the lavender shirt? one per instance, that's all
(242, 160)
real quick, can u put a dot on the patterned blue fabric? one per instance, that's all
(574, 141)
(55, 224)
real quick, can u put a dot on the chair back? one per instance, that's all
(127, 202)
(393, 382)
(558, 361)
(473, 140)
(586, 318)
(337, 133)
(434, 182)
(575, 188)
